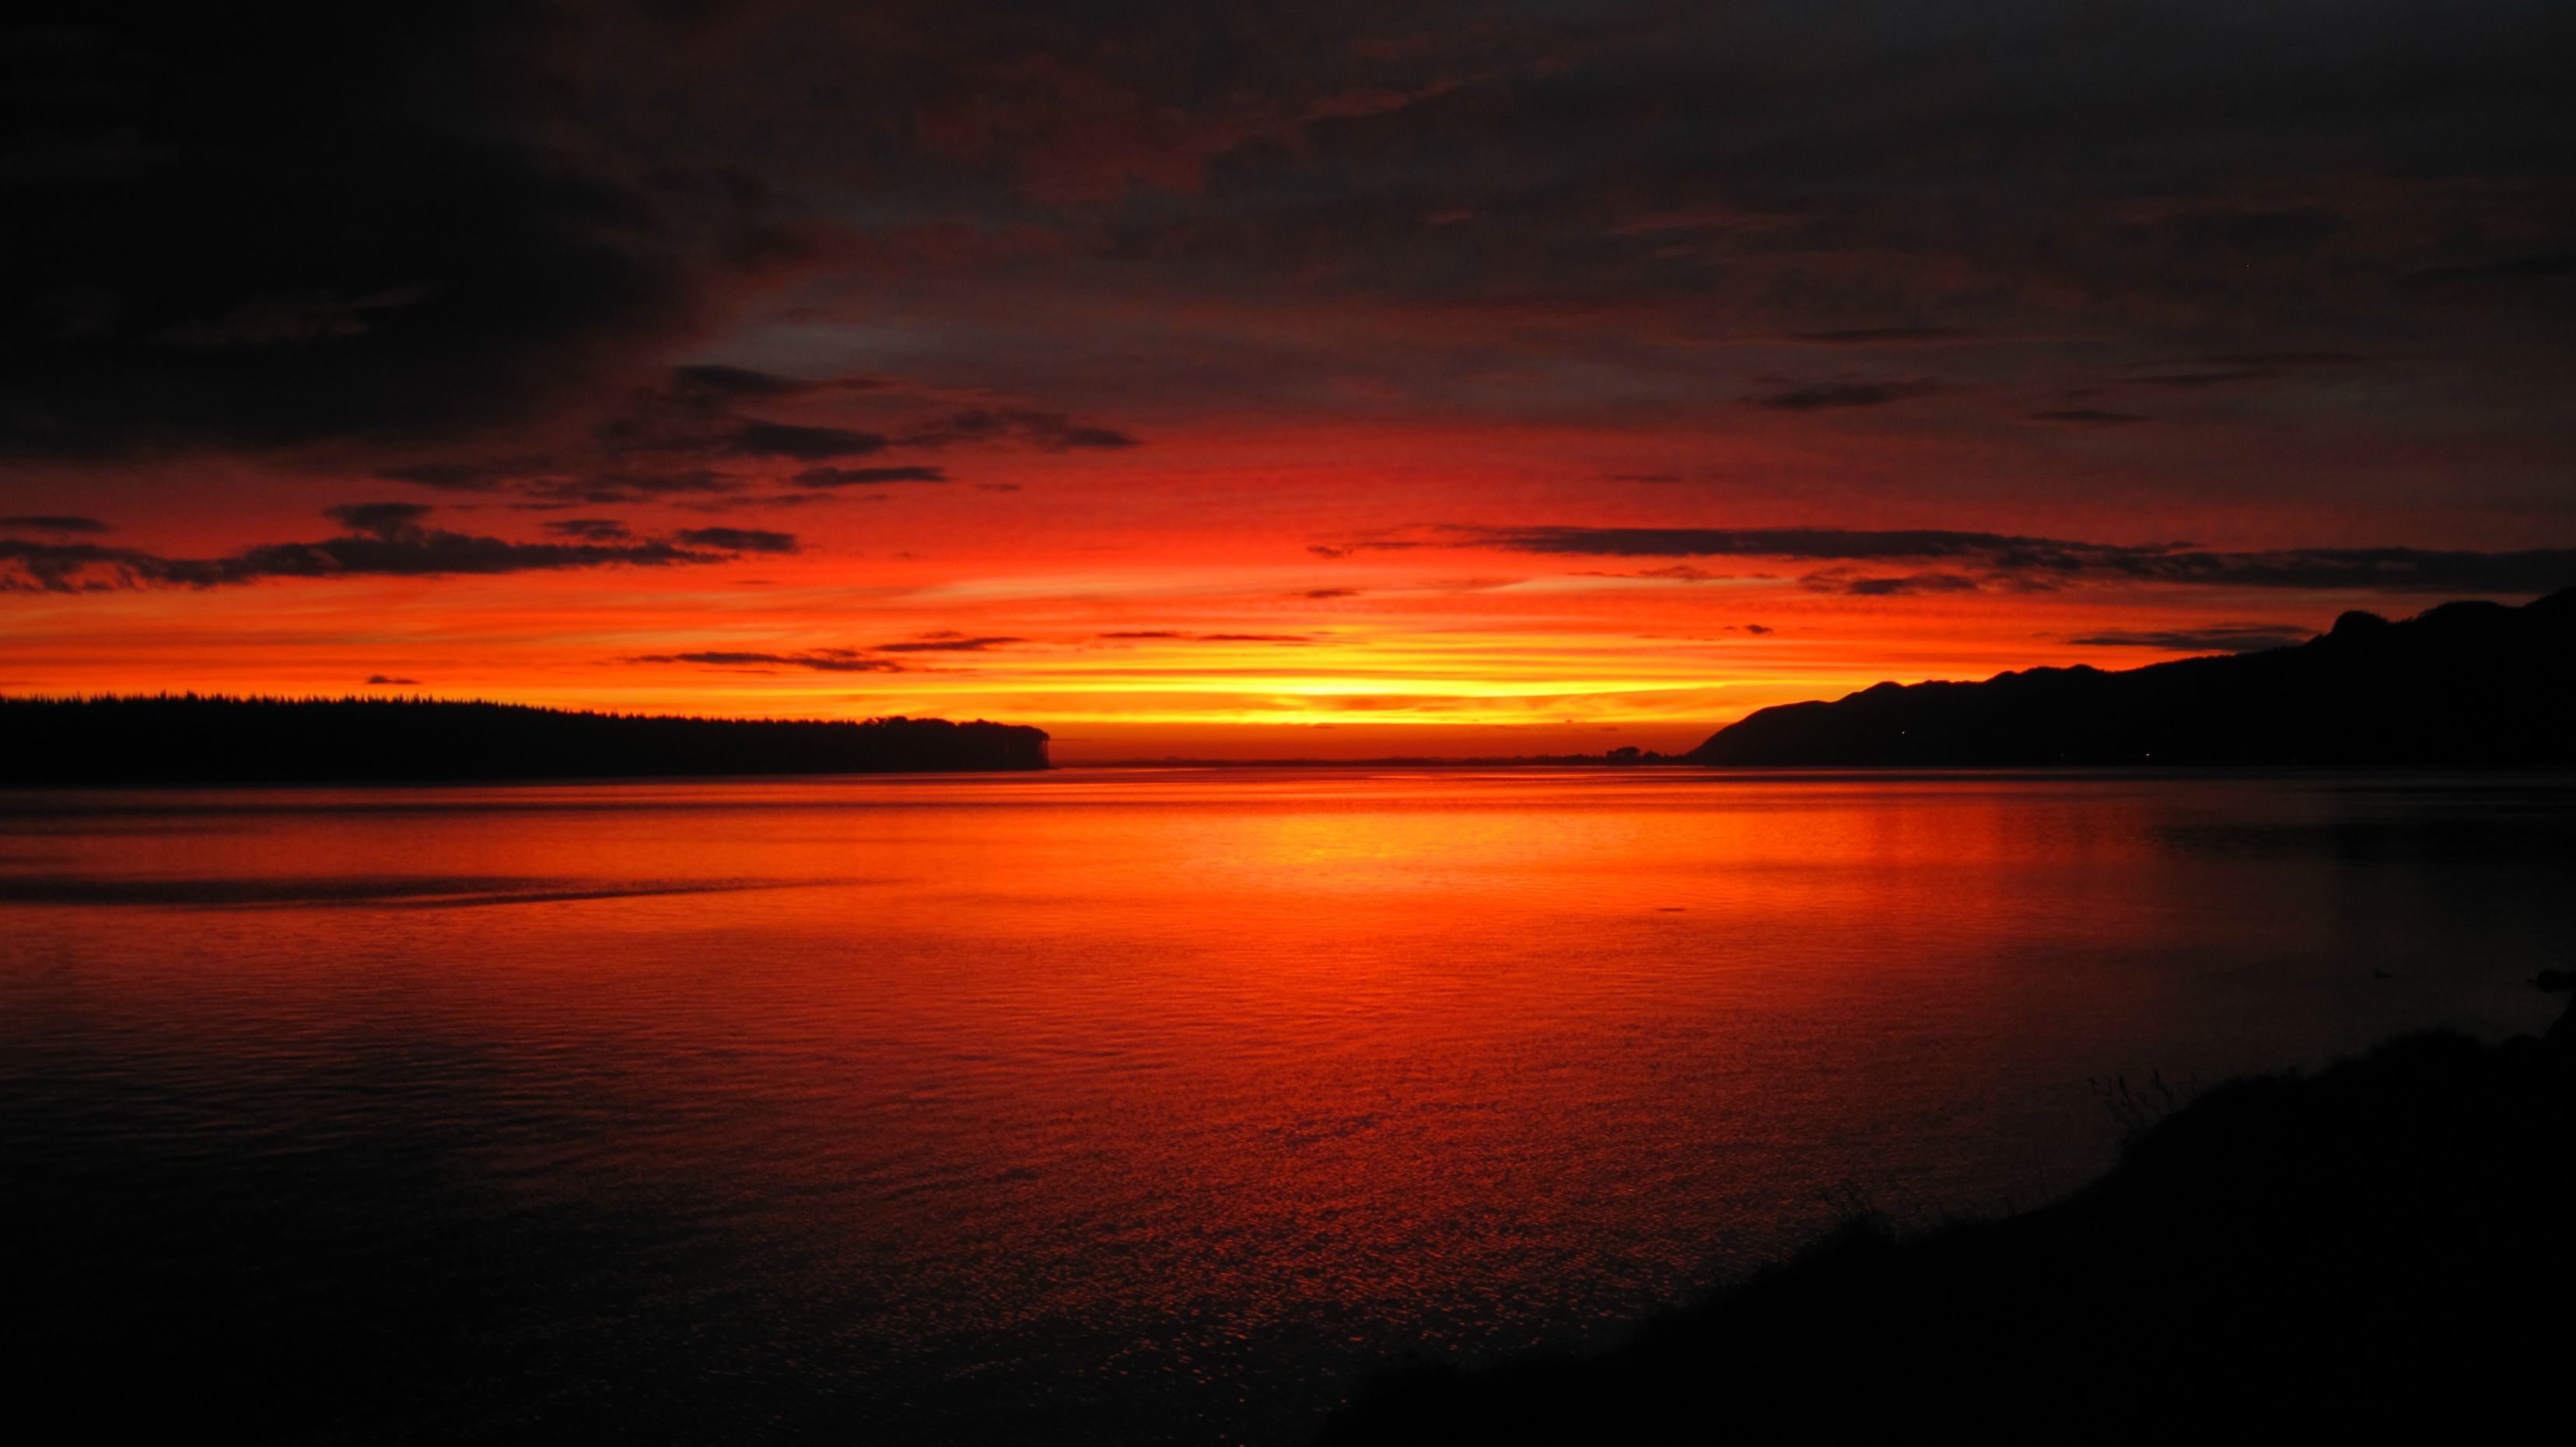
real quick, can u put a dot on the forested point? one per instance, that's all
(194, 739)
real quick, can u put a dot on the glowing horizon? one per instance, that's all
(1239, 663)
(1236, 385)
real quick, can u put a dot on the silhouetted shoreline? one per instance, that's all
(2467, 683)
(2389, 1241)
(187, 739)
(1615, 758)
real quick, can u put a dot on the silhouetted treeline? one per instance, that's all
(2466, 683)
(2385, 1248)
(187, 739)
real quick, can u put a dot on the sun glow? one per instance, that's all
(1470, 653)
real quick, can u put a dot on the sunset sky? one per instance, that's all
(1298, 380)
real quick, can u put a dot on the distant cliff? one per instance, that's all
(192, 740)
(2466, 683)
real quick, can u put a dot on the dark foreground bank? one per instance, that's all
(2389, 1243)
(192, 740)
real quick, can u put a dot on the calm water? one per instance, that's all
(1125, 1105)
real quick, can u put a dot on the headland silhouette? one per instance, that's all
(189, 739)
(2468, 683)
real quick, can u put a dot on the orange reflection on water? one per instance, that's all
(1105, 1087)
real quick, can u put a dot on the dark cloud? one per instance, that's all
(1860, 585)
(2086, 417)
(698, 411)
(1800, 543)
(466, 242)
(1323, 595)
(801, 444)
(632, 486)
(1046, 431)
(594, 530)
(385, 541)
(819, 660)
(2196, 380)
(2218, 638)
(688, 433)
(766, 501)
(1389, 541)
(739, 540)
(1880, 336)
(424, 552)
(1868, 175)
(379, 519)
(837, 660)
(866, 476)
(948, 642)
(74, 567)
(383, 680)
(2006, 560)
(468, 476)
(682, 434)
(1677, 573)
(2552, 266)
(1817, 396)
(1168, 634)
(2250, 228)
(2284, 361)
(255, 227)
(2399, 570)
(270, 321)
(714, 384)
(54, 522)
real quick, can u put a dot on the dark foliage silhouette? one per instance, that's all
(2465, 683)
(189, 739)
(2382, 1245)
(2378, 1245)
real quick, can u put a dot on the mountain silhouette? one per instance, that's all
(186, 739)
(2465, 683)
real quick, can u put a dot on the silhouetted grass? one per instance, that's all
(2386, 1244)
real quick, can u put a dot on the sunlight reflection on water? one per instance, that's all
(1129, 1104)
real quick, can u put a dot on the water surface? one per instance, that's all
(1122, 1105)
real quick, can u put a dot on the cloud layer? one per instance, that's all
(383, 539)
(956, 325)
(2005, 561)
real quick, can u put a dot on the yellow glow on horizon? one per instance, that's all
(1212, 656)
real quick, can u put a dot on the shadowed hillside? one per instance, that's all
(192, 740)
(2466, 683)
(2391, 1242)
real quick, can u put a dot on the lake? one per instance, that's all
(1118, 1105)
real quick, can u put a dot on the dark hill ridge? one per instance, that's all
(2465, 683)
(193, 740)
(2383, 1247)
